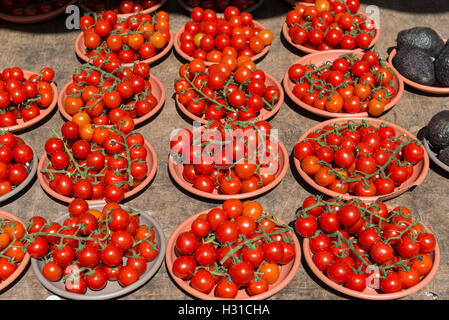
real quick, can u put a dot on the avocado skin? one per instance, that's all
(443, 156)
(442, 66)
(415, 64)
(421, 37)
(438, 130)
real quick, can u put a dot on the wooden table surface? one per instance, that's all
(32, 47)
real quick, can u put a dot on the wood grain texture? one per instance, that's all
(49, 44)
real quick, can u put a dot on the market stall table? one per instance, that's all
(50, 44)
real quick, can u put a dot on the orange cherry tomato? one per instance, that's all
(81, 119)
(252, 209)
(270, 272)
(309, 165)
(87, 131)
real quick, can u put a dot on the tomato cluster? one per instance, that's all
(12, 247)
(358, 158)
(92, 246)
(139, 37)
(15, 161)
(109, 97)
(220, 5)
(228, 160)
(30, 8)
(22, 98)
(211, 38)
(226, 90)
(330, 24)
(348, 84)
(120, 6)
(354, 242)
(237, 246)
(94, 162)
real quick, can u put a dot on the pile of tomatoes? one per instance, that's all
(330, 24)
(139, 37)
(93, 162)
(92, 246)
(229, 158)
(22, 98)
(110, 94)
(30, 8)
(120, 6)
(226, 90)
(237, 246)
(210, 38)
(12, 247)
(221, 5)
(348, 84)
(358, 158)
(356, 243)
(15, 161)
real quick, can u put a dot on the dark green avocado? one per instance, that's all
(421, 37)
(415, 64)
(438, 130)
(443, 156)
(442, 66)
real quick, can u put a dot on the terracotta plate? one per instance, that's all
(286, 274)
(369, 293)
(320, 57)
(151, 160)
(420, 170)
(157, 89)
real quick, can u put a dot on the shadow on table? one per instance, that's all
(421, 6)
(54, 26)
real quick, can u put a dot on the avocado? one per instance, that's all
(438, 130)
(415, 64)
(443, 156)
(421, 37)
(442, 66)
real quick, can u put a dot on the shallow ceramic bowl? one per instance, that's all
(113, 288)
(21, 267)
(434, 156)
(420, 170)
(369, 293)
(21, 125)
(311, 50)
(177, 45)
(286, 274)
(80, 49)
(416, 85)
(32, 168)
(264, 113)
(37, 18)
(151, 160)
(319, 58)
(177, 168)
(157, 89)
(127, 15)
(249, 9)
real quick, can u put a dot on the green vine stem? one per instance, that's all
(351, 125)
(83, 172)
(284, 229)
(368, 212)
